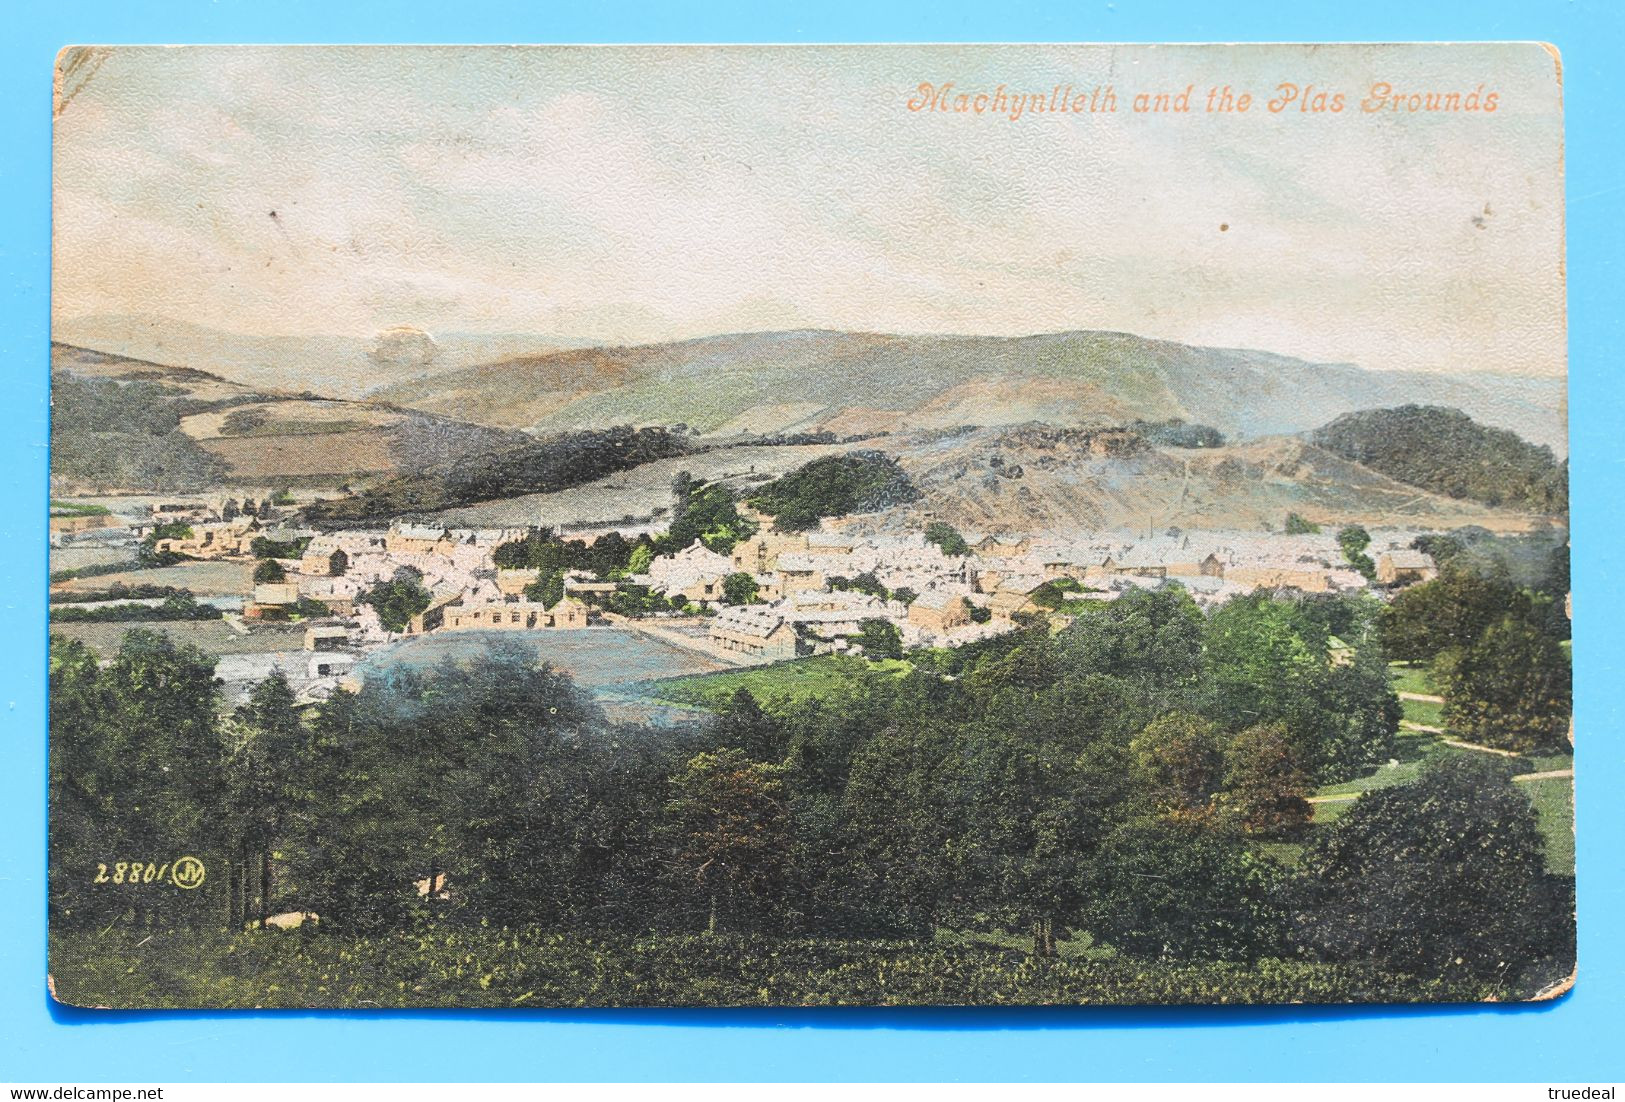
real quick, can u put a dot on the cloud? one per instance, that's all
(403, 345)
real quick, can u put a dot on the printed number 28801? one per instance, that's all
(131, 872)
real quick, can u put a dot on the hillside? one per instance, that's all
(1037, 478)
(335, 365)
(548, 465)
(120, 423)
(865, 382)
(1447, 452)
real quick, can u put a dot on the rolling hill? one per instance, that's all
(809, 380)
(335, 365)
(129, 424)
(1446, 451)
(1035, 478)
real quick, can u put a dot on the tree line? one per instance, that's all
(1130, 779)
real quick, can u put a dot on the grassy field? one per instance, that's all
(1425, 712)
(1554, 803)
(1413, 751)
(532, 968)
(1412, 677)
(77, 509)
(795, 680)
(205, 579)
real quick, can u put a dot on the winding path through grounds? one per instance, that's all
(1545, 775)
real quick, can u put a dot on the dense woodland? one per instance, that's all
(1119, 787)
(835, 486)
(1446, 451)
(536, 466)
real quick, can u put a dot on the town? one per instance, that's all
(772, 596)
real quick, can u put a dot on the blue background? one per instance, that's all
(1575, 1039)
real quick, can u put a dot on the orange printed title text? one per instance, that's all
(1288, 97)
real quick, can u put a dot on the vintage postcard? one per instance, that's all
(789, 525)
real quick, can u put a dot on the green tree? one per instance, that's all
(348, 858)
(640, 558)
(704, 513)
(880, 639)
(1265, 782)
(1151, 641)
(547, 590)
(836, 485)
(398, 600)
(1175, 889)
(743, 725)
(1268, 660)
(268, 570)
(1354, 539)
(136, 772)
(85, 784)
(1511, 690)
(1298, 526)
(947, 539)
(726, 829)
(505, 748)
(269, 787)
(739, 588)
(1179, 758)
(1452, 610)
(1438, 877)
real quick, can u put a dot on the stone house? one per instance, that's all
(760, 554)
(1405, 567)
(798, 572)
(754, 631)
(938, 610)
(514, 616)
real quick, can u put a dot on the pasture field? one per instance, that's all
(797, 679)
(1412, 677)
(205, 579)
(214, 637)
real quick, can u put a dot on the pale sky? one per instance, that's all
(635, 194)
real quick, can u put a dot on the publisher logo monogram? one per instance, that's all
(187, 872)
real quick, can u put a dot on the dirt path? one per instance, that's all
(1481, 749)
(1546, 775)
(1424, 697)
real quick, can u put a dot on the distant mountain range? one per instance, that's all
(848, 383)
(126, 423)
(765, 383)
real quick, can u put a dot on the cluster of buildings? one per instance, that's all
(805, 603)
(808, 593)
